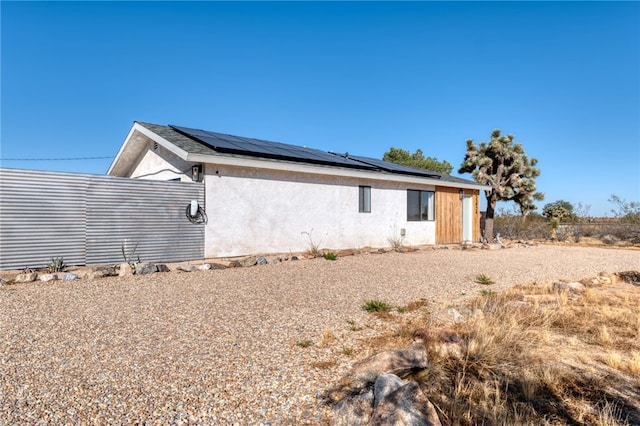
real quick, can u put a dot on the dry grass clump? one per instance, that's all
(532, 356)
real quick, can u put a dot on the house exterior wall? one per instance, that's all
(261, 211)
(157, 163)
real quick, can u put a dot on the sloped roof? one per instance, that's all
(190, 142)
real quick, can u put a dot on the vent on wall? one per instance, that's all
(155, 146)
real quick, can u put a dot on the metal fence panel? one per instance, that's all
(145, 216)
(89, 219)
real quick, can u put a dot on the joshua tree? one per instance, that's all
(506, 168)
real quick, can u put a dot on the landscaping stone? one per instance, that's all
(234, 264)
(573, 287)
(399, 362)
(145, 268)
(125, 270)
(204, 267)
(163, 268)
(406, 405)
(27, 277)
(48, 277)
(70, 276)
(185, 267)
(385, 384)
(217, 266)
(248, 261)
(102, 271)
(275, 261)
(261, 261)
(354, 411)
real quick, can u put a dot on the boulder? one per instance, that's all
(385, 384)
(145, 268)
(163, 268)
(572, 287)
(125, 270)
(27, 277)
(217, 266)
(248, 261)
(48, 277)
(399, 362)
(185, 267)
(102, 271)
(354, 410)
(70, 276)
(406, 405)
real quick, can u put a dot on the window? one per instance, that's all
(420, 205)
(364, 199)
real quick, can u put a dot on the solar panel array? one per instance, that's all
(394, 168)
(248, 146)
(224, 143)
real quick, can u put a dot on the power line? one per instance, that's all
(55, 159)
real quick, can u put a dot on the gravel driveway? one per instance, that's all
(225, 346)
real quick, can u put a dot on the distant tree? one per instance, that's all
(627, 211)
(507, 169)
(558, 210)
(418, 160)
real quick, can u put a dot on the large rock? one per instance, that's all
(248, 261)
(407, 405)
(70, 276)
(27, 277)
(145, 268)
(354, 410)
(573, 287)
(385, 384)
(125, 270)
(399, 362)
(185, 267)
(102, 271)
(218, 266)
(163, 268)
(48, 277)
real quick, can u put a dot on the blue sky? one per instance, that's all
(563, 77)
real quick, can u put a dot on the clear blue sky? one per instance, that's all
(563, 77)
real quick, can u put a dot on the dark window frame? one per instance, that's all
(415, 211)
(364, 199)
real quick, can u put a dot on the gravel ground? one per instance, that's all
(222, 346)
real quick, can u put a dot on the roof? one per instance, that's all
(199, 145)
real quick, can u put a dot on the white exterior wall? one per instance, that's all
(263, 211)
(161, 164)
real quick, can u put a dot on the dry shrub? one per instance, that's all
(575, 361)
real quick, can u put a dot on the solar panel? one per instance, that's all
(394, 168)
(222, 142)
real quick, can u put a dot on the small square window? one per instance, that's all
(364, 199)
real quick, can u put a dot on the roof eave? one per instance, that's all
(130, 151)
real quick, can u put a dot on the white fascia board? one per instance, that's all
(289, 166)
(121, 150)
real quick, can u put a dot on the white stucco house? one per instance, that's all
(269, 197)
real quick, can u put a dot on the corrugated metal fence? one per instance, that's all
(89, 219)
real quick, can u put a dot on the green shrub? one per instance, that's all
(376, 306)
(330, 255)
(484, 280)
(56, 264)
